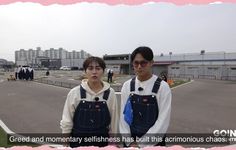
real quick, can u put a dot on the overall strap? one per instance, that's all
(106, 94)
(156, 85)
(132, 85)
(82, 92)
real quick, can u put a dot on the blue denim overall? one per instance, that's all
(145, 109)
(91, 118)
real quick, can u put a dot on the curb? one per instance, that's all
(182, 84)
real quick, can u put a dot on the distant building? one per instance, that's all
(6, 64)
(118, 63)
(2, 62)
(52, 58)
(121, 63)
(210, 65)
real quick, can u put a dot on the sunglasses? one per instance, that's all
(142, 63)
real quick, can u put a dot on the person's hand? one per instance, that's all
(134, 144)
(66, 145)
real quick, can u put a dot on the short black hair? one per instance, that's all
(146, 52)
(91, 59)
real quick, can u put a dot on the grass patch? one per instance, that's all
(178, 82)
(5, 143)
(2, 138)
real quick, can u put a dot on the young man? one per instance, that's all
(145, 102)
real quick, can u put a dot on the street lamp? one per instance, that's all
(202, 53)
(224, 58)
(129, 64)
(170, 53)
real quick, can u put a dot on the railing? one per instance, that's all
(117, 88)
(186, 76)
(207, 77)
(171, 75)
(181, 76)
(232, 78)
(56, 83)
(191, 76)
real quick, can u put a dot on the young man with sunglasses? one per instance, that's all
(145, 104)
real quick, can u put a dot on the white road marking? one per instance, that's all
(5, 128)
(182, 84)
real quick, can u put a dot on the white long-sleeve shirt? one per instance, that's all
(164, 103)
(73, 99)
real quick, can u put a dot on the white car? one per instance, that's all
(65, 68)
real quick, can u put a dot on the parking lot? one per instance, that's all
(198, 107)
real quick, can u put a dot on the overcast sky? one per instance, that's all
(103, 29)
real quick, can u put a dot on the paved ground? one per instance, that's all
(29, 107)
(203, 106)
(199, 107)
(74, 76)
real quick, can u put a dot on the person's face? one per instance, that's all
(141, 66)
(94, 72)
